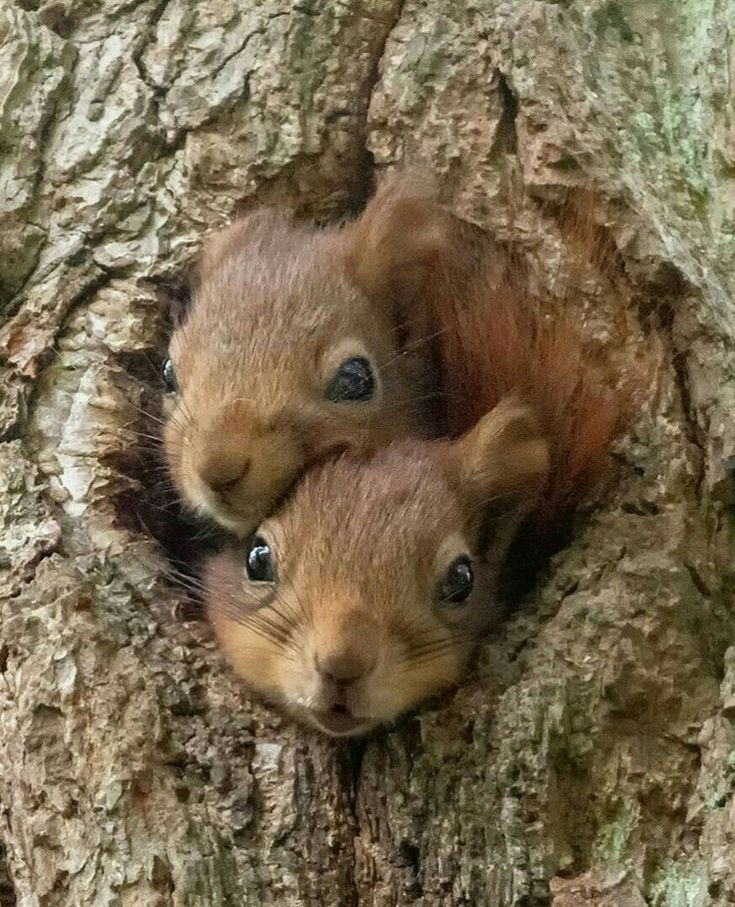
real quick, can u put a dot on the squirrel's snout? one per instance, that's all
(344, 667)
(343, 673)
(236, 468)
(221, 472)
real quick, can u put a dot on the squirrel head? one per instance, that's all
(300, 344)
(366, 592)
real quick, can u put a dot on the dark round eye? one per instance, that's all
(353, 380)
(260, 566)
(458, 581)
(169, 377)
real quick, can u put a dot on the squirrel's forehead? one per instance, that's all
(373, 547)
(384, 506)
(261, 345)
(293, 286)
(262, 331)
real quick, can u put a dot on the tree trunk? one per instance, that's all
(590, 760)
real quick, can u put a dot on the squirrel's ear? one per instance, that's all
(399, 241)
(500, 466)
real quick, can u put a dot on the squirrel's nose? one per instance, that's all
(344, 667)
(222, 472)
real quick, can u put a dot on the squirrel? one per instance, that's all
(303, 342)
(368, 589)
(366, 593)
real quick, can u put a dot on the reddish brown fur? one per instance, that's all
(361, 543)
(499, 343)
(360, 549)
(421, 294)
(275, 305)
(497, 338)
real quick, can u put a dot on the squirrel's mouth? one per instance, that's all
(338, 721)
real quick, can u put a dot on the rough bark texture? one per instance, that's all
(591, 758)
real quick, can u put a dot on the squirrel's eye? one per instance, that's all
(353, 380)
(260, 567)
(457, 582)
(169, 377)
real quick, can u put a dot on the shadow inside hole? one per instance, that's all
(151, 505)
(7, 889)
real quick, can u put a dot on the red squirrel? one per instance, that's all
(301, 343)
(369, 587)
(368, 590)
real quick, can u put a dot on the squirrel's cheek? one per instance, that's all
(173, 446)
(253, 659)
(420, 681)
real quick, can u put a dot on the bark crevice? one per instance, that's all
(588, 758)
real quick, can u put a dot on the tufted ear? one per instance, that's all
(500, 466)
(400, 242)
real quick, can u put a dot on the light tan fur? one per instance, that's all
(357, 582)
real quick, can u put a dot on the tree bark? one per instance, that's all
(590, 759)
